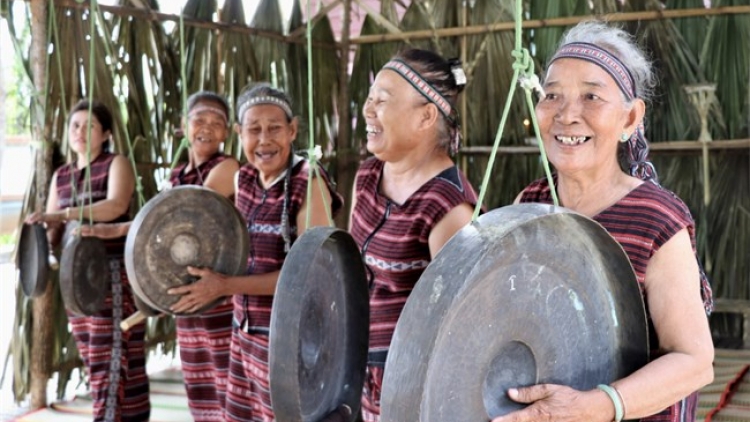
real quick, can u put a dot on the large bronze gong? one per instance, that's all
(319, 329)
(32, 259)
(527, 294)
(85, 279)
(181, 227)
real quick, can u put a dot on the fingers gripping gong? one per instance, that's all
(181, 227)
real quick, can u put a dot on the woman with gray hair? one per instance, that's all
(596, 88)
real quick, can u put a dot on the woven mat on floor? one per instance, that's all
(727, 399)
(168, 403)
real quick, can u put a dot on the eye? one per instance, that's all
(550, 96)
(591, 96)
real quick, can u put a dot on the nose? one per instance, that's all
(569, 111)
(367, 108)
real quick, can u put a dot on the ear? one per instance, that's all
(293, 125)
(428, 115)
(237, 129)
(635, 116)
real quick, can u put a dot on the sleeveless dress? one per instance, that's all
(393, 239)
(126, 399)
(248, 394)
(642, 222)
(204, 339)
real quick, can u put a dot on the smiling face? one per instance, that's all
(207, 128)
(267, 137)
(78, 133)
(583, 116)
(392, 114)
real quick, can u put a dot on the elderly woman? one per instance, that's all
(203, 339)
(119, 387)
(271, 194)
(410, 198)
(595, 91)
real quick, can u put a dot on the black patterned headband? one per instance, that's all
(265, 99)
(602, 58)
(421, 85)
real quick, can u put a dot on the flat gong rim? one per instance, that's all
(32, 259)
(180, 227)
(319, 327)
(85, 280)
(527, 294)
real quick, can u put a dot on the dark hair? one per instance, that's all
(262, 89)
(441, 75)
(102, 114)
(211, 96)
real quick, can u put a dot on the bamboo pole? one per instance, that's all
(543, 23)
(42, 307)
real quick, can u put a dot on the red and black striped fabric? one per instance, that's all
(248, 396)
(196, 175)
(94, 334)
(204, 339)
(393, 239)
(642, 222)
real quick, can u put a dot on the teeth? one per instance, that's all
(371, 129)
(572, 140)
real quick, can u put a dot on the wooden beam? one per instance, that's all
(552, 22)
(152, 15)
(669, 146)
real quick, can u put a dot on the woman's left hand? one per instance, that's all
(198, 295)
(549, 402)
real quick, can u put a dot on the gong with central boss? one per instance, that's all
(180, 227)
(527, 294)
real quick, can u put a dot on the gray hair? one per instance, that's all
(623, 46)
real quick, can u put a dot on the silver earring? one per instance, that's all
(624, 137)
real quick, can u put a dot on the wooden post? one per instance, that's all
(345, 154)
(42, 336)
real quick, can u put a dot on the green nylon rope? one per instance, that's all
(522, 67)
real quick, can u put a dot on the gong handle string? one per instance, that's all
(123, 112)
(523, 66)
(314, 152)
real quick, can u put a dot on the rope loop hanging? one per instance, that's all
(523, 71)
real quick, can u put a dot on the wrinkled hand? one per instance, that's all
(35, 217)
(197, 295)
(547, 403)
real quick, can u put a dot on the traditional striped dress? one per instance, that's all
(394, 242)
(204, 339)
(128, 398)
(643, 221)
(248, 395)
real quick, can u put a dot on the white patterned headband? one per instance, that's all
(602, 58)
(421, 85)
(203, 108)
(265, 99)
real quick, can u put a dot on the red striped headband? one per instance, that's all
(602, 58)
(421, 85)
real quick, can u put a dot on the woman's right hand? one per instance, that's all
(35, 217)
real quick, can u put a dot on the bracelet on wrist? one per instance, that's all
(614, 395)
